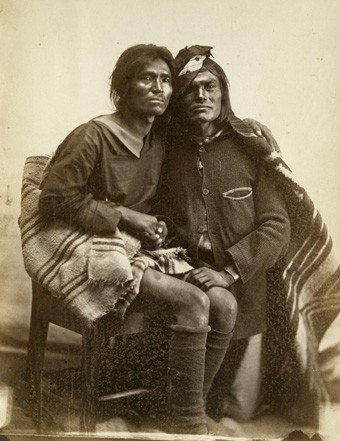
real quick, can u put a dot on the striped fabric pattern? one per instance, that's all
(86, 272)
(304, 299)
(303, 291)
(108, 263)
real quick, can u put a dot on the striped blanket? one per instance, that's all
(303, 300)
(64, 260)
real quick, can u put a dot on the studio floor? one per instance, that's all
(62, 407)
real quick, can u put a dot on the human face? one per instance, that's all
(202, 100)
(150, 90)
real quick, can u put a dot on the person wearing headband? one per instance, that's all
(227, 212)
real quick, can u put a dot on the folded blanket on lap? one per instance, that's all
(89, 273)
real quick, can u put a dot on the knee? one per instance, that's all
(195, 306)
(223, 305)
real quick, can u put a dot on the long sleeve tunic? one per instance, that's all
(98, 167)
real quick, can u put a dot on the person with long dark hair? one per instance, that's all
(228, 213)
(103, 177)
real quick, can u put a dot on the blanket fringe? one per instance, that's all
(119, 280)
(170, 253)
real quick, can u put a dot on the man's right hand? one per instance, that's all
(206, 278)
(147, 229)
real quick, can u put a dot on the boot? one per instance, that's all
(186, 376)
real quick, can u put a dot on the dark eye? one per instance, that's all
(211, 86)
(166, 80)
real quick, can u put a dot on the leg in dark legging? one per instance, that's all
(186, 356)
(187, 349)
(222, 318)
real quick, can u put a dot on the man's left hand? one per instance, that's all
(264, 132)
(205, 278)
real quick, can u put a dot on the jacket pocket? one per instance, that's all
(239, 193)
(239, 212)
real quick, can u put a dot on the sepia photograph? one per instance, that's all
(169, 220)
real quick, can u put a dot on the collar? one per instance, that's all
(201, 140)
(224, 132)
(133, 143)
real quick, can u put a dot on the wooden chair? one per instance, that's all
(47, 309)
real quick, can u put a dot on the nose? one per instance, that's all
(201, 96)
(157, 86)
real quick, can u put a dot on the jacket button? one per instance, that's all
(201, 149)
(205, 191)
(201, 229)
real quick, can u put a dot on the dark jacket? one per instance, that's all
(247, 220)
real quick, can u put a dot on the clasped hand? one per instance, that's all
(205, 278)
(147, 228)
(154, 235)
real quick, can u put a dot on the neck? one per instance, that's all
(137, 125)
(203, 129)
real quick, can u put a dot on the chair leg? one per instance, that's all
(90, 368)
(35, 365)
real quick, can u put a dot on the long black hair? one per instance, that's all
(132, 61)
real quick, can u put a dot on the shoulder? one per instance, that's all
(97, 125)
(254, 147)
(89, 128)
(86, 138)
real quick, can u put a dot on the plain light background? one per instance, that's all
(281, 59)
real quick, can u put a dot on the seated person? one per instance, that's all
(104, 176)
(228, 213)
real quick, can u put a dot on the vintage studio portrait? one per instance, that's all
(169, 219)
